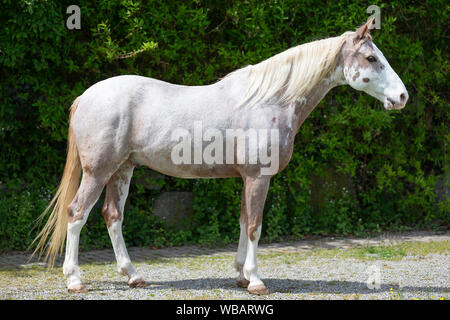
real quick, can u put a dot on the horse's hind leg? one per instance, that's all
(116, 195)
(87, 195)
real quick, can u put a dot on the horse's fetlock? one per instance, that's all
(69, 269)
(248, 270)
(238, 266)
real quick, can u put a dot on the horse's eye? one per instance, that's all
(371, 59)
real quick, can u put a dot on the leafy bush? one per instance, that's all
(390, 161)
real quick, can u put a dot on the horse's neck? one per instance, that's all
(306, 104)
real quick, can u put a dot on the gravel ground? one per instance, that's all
(407, 268)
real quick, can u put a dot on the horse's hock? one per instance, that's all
(174, 207)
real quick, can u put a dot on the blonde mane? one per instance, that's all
(291, 74)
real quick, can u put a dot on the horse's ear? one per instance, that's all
(364, 30)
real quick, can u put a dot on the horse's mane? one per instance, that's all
(291, 74)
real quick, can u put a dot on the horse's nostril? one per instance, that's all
(402, 97)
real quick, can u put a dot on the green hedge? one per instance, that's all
(356, 168)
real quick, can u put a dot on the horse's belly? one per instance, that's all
(165, 165)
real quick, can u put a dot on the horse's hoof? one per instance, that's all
(242, 283)
(259, 290)
(138, 283)
(79, 288)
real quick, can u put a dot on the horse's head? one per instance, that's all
(366, 69)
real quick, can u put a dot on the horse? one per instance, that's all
(128, 121)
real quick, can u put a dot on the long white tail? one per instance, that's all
(56, 226)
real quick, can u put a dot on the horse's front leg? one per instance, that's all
(255, 195)
(242, 248)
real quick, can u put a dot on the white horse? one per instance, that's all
(126, 121)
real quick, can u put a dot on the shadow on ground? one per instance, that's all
(274, 285)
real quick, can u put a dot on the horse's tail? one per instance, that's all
(56, 226)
